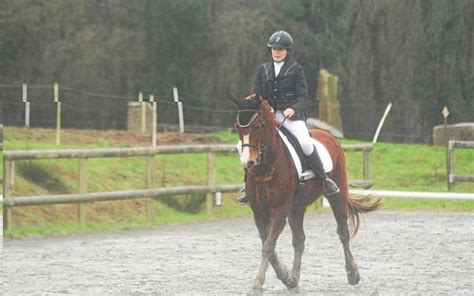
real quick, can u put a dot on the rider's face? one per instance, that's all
(279, 54)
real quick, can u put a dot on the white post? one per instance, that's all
(153, 123)
(175, 94)
(27, 104)
(180, 116)
(381, 123)
(58, 113)
(56, 92)
(27, 114)
(180, 109)
(24, 93)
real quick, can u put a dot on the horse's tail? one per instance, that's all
(355, 205)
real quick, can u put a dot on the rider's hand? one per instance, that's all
(289, 112)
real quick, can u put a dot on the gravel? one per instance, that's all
(416, 253)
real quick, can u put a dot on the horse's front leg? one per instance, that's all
(295, 219)
(263, 225)
(277, 224)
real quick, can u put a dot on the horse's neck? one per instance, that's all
(275, 148)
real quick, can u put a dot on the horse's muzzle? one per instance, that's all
(250, 164)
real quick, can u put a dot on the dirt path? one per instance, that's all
(397, 253)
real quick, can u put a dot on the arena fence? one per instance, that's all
(452, 177)
(414, 194)
(84, 196)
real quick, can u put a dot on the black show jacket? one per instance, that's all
(287, 90)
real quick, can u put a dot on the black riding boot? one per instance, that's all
(329, 186)
(243, 198)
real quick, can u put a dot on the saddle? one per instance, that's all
(300, 159)
(299, 151)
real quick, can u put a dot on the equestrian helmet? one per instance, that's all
(280, 39)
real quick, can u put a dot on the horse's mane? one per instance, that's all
(266, 105)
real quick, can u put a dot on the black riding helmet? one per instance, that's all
(280, 39)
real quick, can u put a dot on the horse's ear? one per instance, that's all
(230, 97)
(252, 96)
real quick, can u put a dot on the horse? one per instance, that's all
(271, 183)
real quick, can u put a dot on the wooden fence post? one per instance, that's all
(143, 116)
(12, 174)
(366, 165)
(83, 188)
(153, 121)
(327, 93)
(445, 113)
(150, 205)
(451, 164)
(210, 181)
(58, 113)
(7, 194)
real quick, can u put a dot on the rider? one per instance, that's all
(282, 82)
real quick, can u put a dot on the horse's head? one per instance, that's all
(256, 129)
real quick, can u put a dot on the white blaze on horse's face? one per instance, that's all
(248, 154)
(244, 156)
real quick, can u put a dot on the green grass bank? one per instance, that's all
(393, 167)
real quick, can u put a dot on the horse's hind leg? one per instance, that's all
(341, 213)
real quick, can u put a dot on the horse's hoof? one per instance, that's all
(353, 276)
(255, 292)
(291, 282)
(296, 290)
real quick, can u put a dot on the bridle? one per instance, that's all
(261, 147)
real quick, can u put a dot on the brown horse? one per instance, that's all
(271, 187)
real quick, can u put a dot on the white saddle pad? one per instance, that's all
(308, 174)
(323, 154)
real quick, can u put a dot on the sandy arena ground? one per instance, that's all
(397, 253)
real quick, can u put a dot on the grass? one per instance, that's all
(393, 167)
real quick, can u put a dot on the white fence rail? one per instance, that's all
(414, 194)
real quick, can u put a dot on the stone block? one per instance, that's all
(463, 131)
(134, 120)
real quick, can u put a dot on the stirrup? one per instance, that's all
(330, 187)
(242, 198)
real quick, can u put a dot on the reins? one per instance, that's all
(274, 134)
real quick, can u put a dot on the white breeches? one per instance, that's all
(298, 129)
